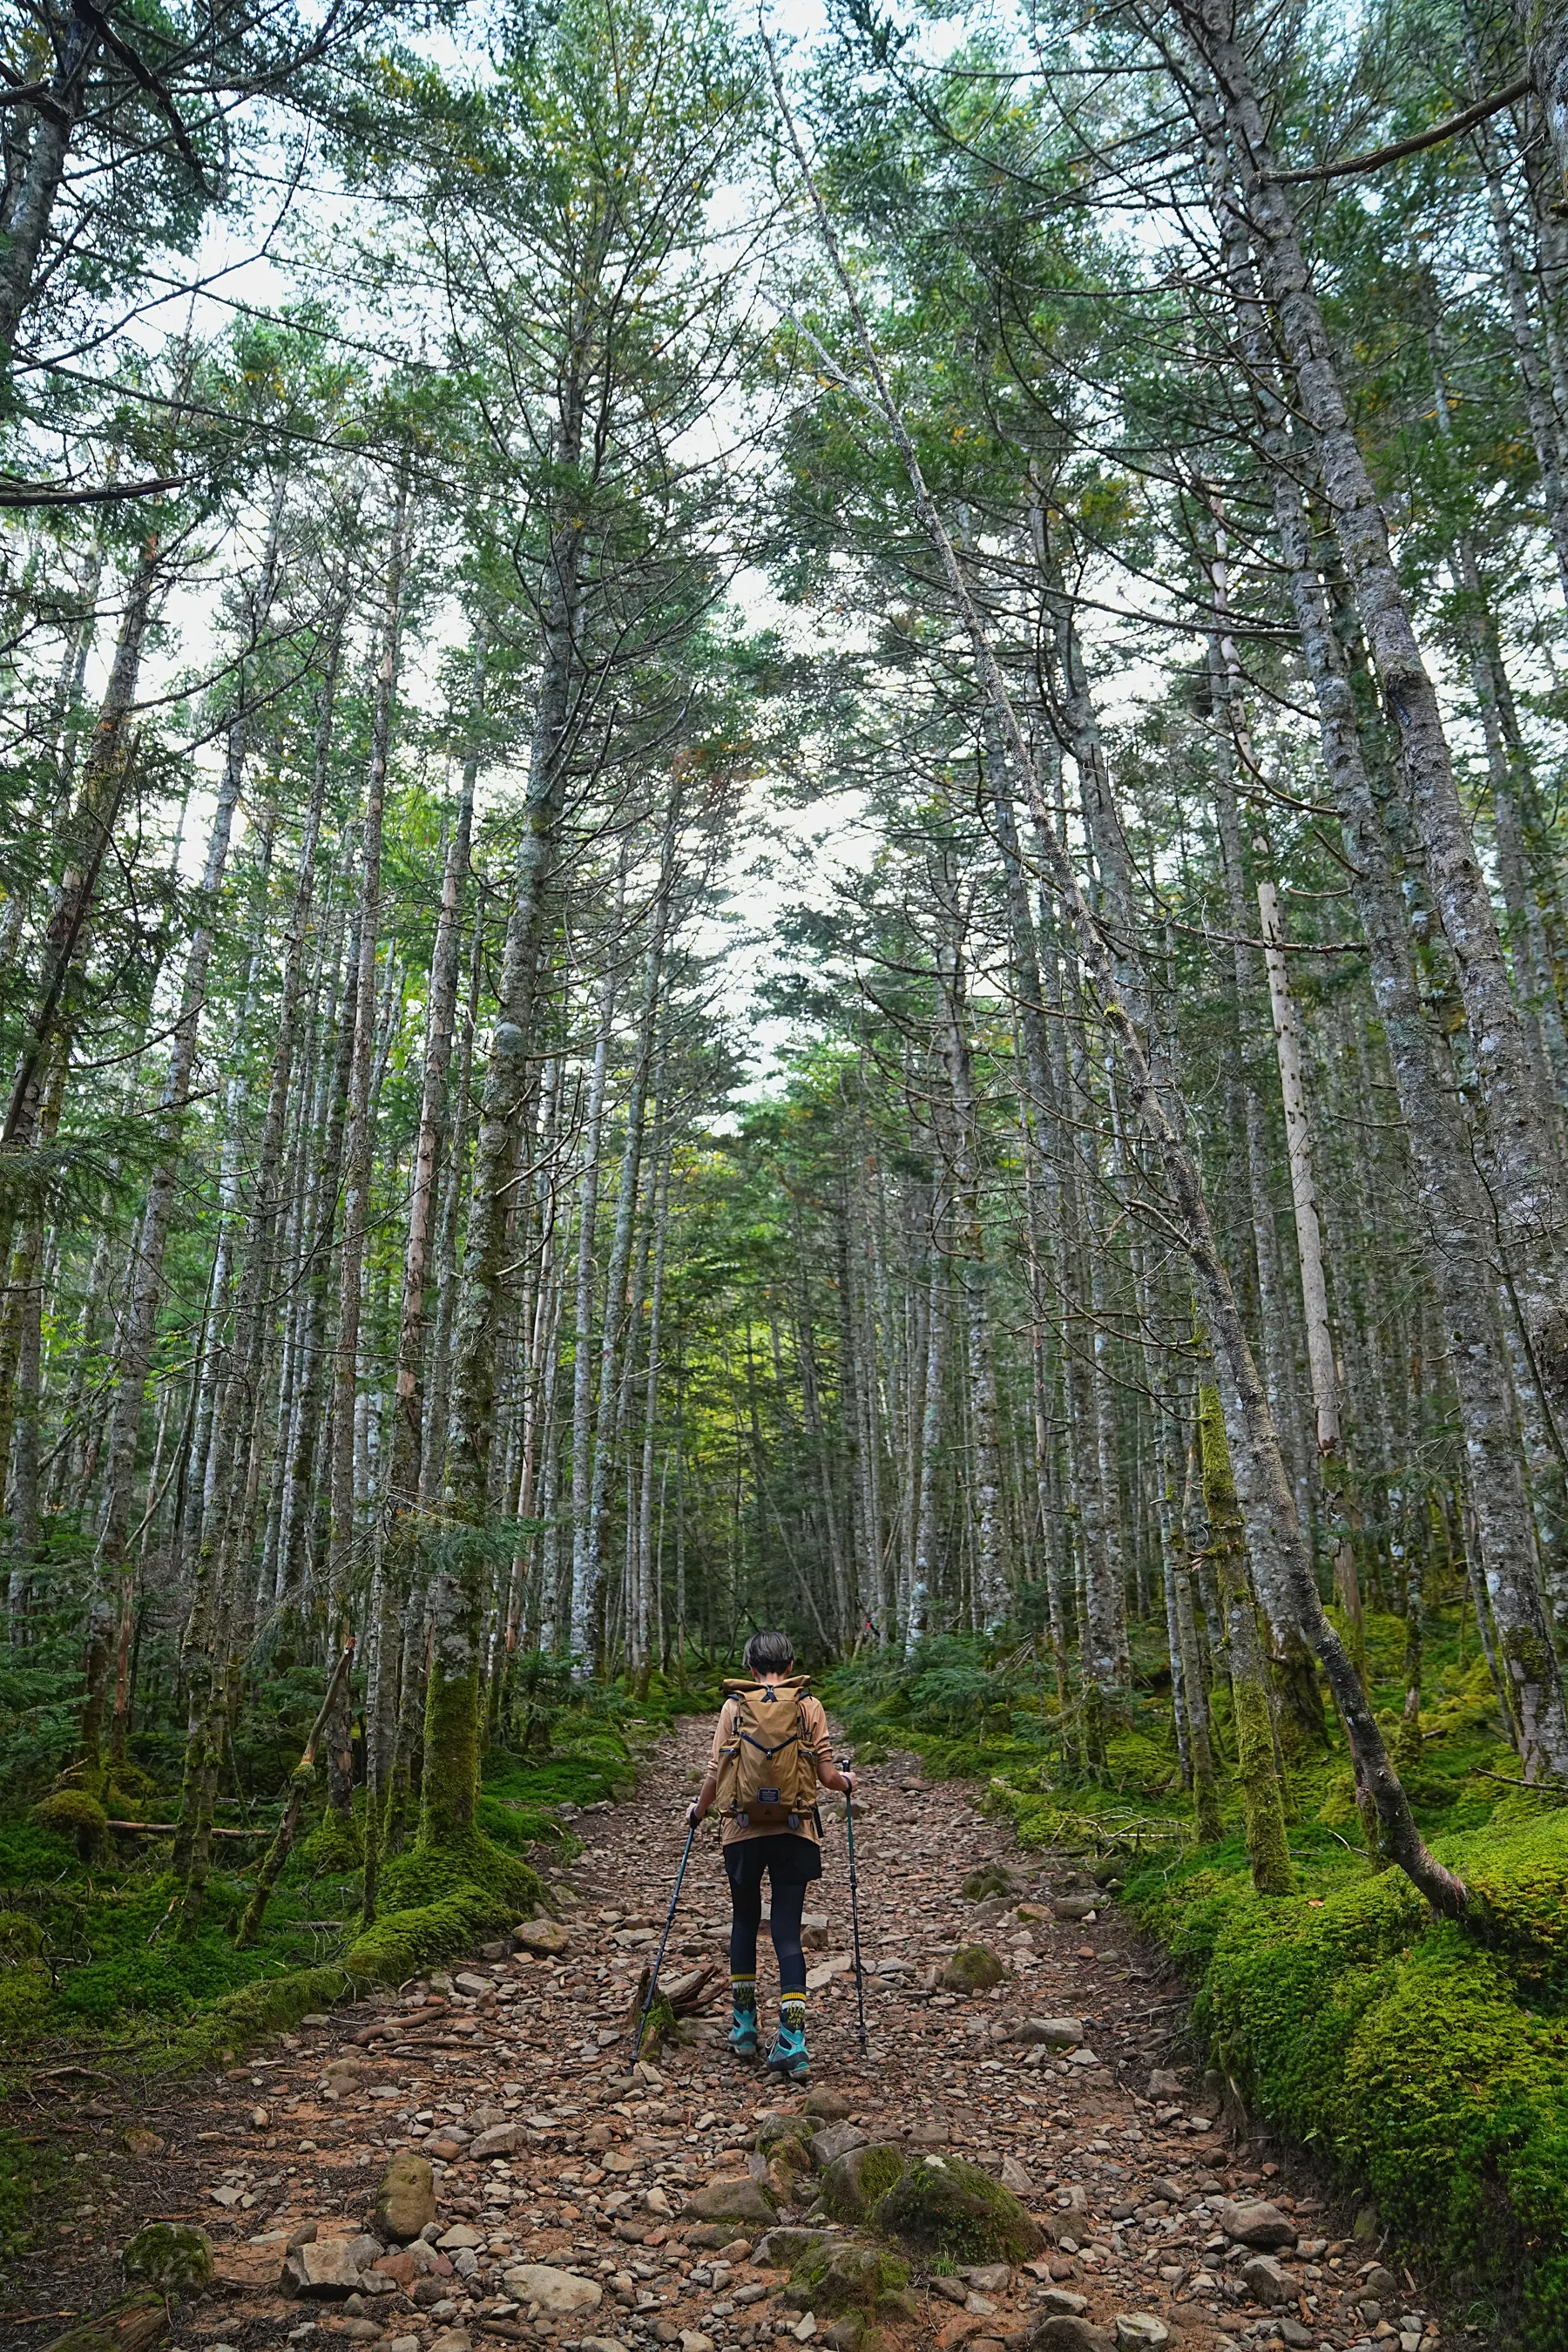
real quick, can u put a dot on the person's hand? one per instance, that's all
(692, 1815)
(849, 1780)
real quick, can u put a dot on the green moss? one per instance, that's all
(949, 2207)
(403, 1942)
(994, 1879)
(72, 1813)
(430, 1874)
(839, 2278)
(223, 2032)
(972, 1969)
(335, 1846)
(29, 2178)
(26, 1995)
(21, 1938)
(854, 2186)
(172, 2256)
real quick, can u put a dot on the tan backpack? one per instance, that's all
(767, 1772)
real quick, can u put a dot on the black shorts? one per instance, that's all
(789, 1861)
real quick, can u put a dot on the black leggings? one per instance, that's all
(746, 1903)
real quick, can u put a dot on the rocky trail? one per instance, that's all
(471, 2163)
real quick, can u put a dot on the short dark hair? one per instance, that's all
(769, 1653)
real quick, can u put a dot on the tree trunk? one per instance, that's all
(1262, 1797)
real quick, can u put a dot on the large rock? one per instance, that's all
(1265, 2283)
(946, 2206)
(838, 2140)
(558, 2294)
(732, 2201)
(829, 2106)
(173, 2256)
(1255, 2222)
(499, 2140)
(1140, 2331)
(325, 2270)
(834, 2277)
(545, 1939)
(854, 2184)
(1056, 2032)
(1067, 1908)
(974, 1968)
(1064, 2332)
(405, 2202)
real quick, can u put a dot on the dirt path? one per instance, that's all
(602, 2167)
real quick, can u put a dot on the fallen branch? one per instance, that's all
(168, 1829)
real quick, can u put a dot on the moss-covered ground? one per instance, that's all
(1425, 2064)
(94, 1962)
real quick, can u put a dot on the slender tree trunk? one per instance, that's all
(358, 1169)
(1262, 1797)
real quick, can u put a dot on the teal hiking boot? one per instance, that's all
(744, 2038)
(788, 2055)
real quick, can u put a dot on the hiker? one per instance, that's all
(771, 1749)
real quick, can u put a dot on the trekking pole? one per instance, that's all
(668, 1920)
(855, 1911)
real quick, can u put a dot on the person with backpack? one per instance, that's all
(772, 1751)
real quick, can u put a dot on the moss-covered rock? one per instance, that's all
(945, 2206)
(734, 2200)
(72, 1813)
(173, 2256)
(854, 2185)
(974, 1968)
(405, 2202)
(833, 2277)
(220, 2035)
(995, 1878)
